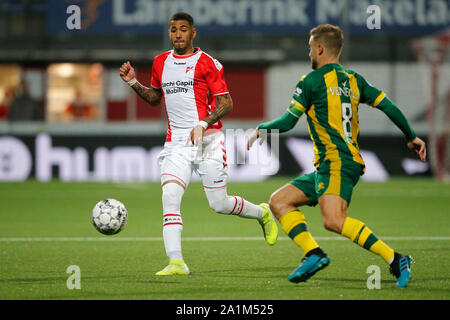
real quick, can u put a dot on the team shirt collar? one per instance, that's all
(196, 51)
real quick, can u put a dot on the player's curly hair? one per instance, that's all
(182, 16)
(330, 36)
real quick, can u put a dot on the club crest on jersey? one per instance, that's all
(189, 69)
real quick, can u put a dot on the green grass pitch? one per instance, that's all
(46, 227)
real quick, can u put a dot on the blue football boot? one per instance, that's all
(401, 269)
(309, 266)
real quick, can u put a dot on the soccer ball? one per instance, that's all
(109, 216)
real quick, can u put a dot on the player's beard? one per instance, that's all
(181, 50)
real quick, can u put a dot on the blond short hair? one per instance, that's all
(330, 36)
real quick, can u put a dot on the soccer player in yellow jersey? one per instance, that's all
(329, 95)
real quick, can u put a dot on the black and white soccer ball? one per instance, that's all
(109, 216)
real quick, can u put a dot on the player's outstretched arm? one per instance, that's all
(284, 123)
(152, 95)
(398, 118)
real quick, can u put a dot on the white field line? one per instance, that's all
(81, 239)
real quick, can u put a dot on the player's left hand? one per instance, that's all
(419, 147)
(257, 134)
(253, 137)
(196, 135)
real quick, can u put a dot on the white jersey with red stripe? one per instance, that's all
(189, 85)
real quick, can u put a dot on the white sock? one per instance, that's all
(251, 210)
(220, 202)
(172, 221)
(172, 241)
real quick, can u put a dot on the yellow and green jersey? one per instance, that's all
(330, 97)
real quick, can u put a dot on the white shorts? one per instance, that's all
(177, 161)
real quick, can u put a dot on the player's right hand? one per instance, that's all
(196, 136)
(127, 71)
(253, 137)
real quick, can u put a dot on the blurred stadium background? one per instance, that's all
(66, 114)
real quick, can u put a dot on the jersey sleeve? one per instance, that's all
(378, 99)
(214, 76)
(301, 99)
(369, 94)
(284, 123)
(157, 67)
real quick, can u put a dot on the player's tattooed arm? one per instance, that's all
(152, 95)
(224, 105)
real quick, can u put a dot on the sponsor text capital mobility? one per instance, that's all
(178, 86)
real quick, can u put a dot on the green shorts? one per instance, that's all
(330, 179)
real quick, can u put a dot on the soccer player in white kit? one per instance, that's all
(192, 86)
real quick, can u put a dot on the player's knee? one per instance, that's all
(171, 196)
(279, 205)
(276, 206)
(171, 191)
(219, 201)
